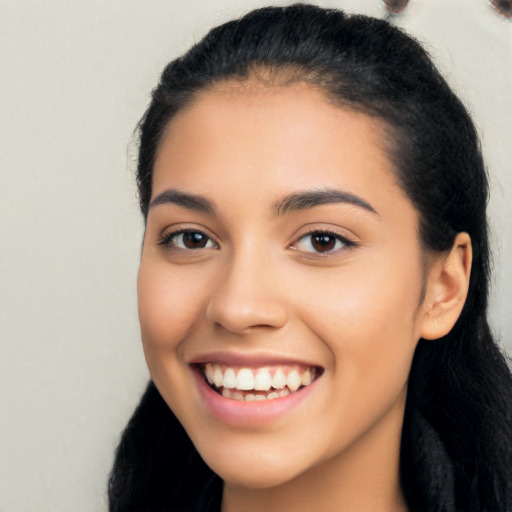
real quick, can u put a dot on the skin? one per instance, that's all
(260, 287)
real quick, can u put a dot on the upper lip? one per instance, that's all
(249, 359)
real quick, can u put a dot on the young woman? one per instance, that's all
(313, 282)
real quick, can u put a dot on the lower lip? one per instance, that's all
(245, 414)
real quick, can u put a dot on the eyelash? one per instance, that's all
(169, 240)
(347, 243)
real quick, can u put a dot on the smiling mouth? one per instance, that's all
(258, 384)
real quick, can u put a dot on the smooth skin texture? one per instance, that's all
(257, 284)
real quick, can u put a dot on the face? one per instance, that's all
(280, 283)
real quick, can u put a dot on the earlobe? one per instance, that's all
(447, 289)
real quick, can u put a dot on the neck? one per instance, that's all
(364, 477)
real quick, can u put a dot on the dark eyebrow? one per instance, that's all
(183, 199)
(311, 198)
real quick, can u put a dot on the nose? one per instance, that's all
(247, 297)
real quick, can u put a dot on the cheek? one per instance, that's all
(369, 328)
(367, 317)
(169, 302)
(372, 294)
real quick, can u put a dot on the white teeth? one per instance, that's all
(218, 378)
(293, 381)
(279, 380)
(306, 378)
(262, 381)
(284, 381)
(209, 371)
(245, 380)
(251, 397)
(229, 379)
(234, 395)
(255, 398)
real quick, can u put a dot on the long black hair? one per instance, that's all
(456, 452)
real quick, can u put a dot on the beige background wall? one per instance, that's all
(74, 79)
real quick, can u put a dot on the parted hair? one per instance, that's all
(456, 449)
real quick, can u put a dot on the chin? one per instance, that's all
(255, 477)
(260, 472)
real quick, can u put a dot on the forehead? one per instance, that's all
(269, 140)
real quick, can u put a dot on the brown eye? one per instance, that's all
(188, 240)
(322, 242)
(195, 240)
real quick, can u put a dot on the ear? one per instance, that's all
(447, 289)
